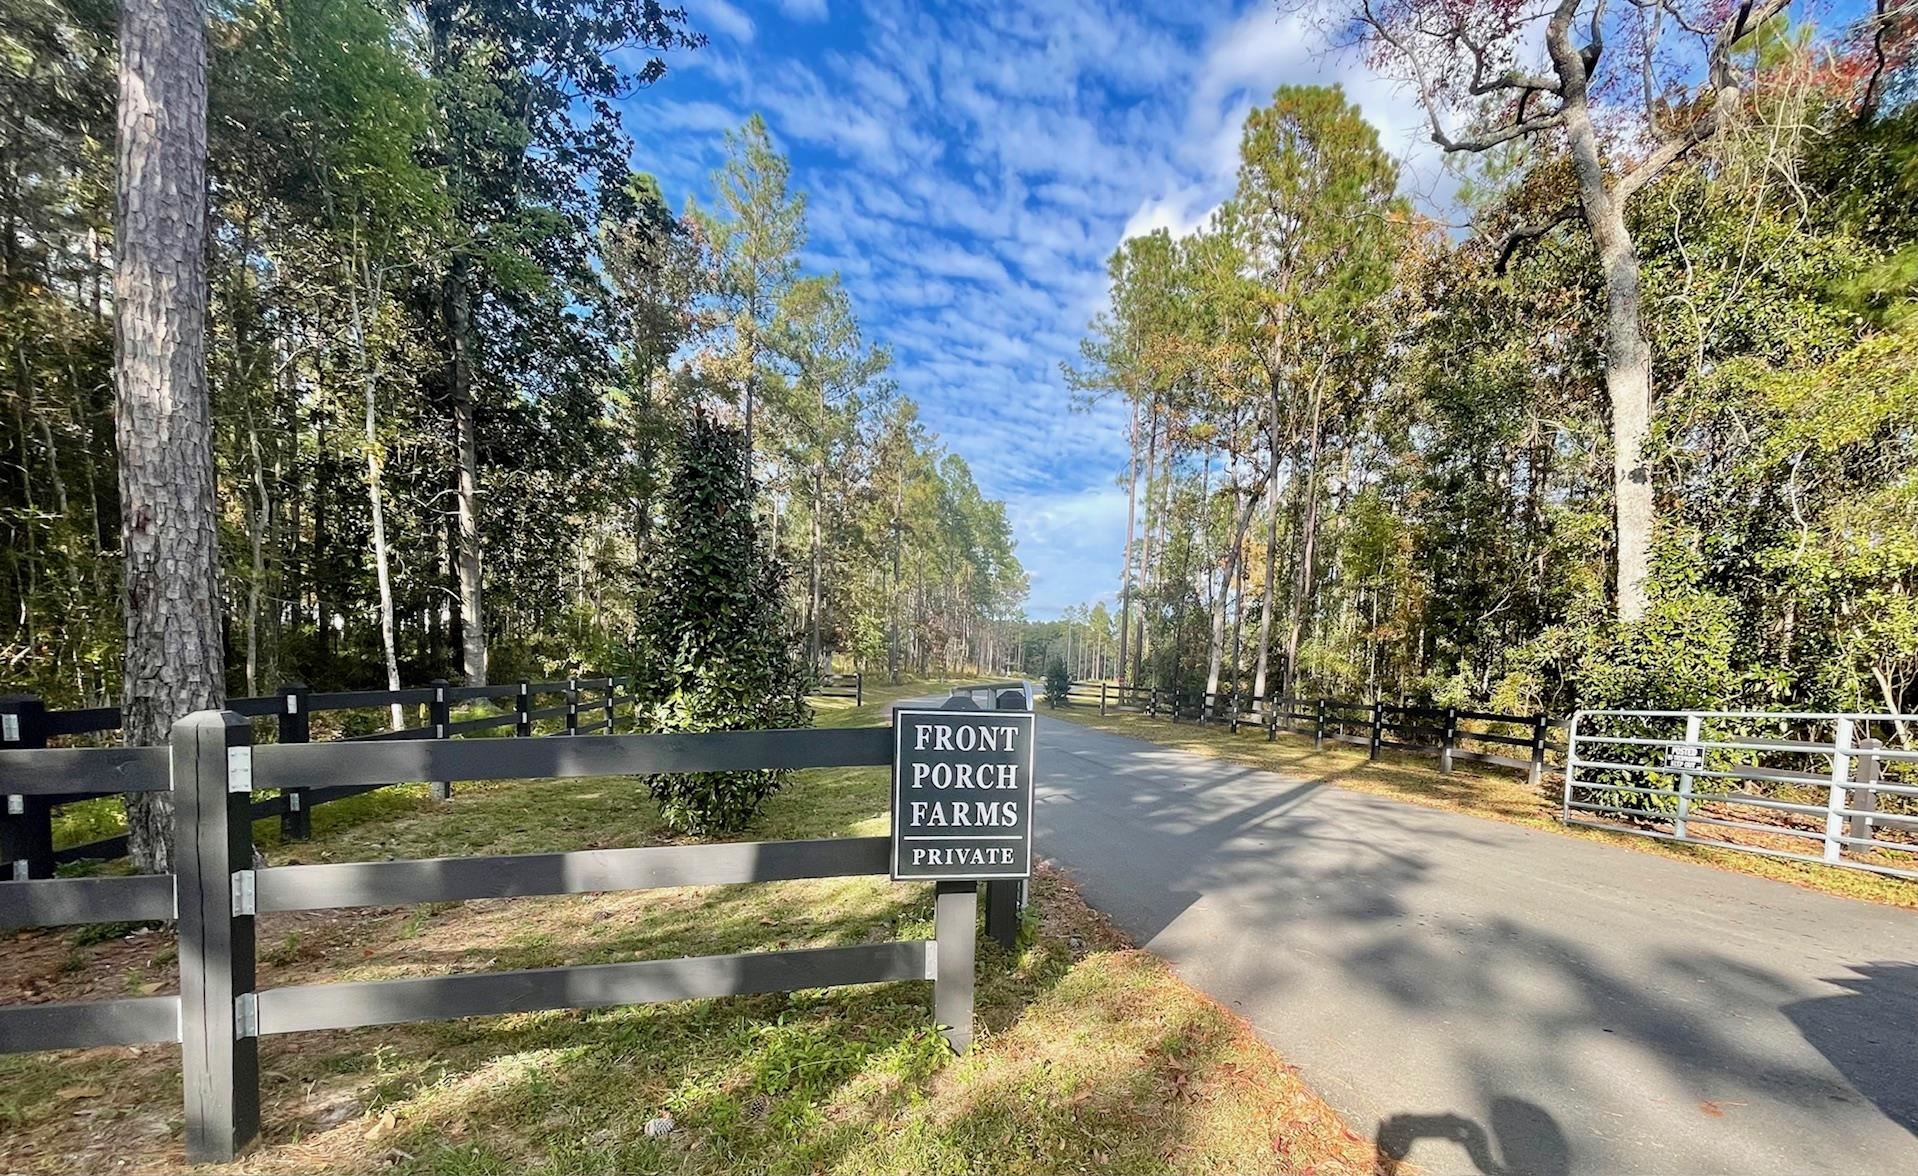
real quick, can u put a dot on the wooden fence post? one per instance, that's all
(955, 920)
(26, 822)
(1448, 739)
(1378, 729)
(1152, 703)
(1318, 728)
(1102, 700)
(522, 711)
(572, 706)
(1864, 800)
(441, 716)
(859, 688)
(611, 683)
(1002, 911)
(212, 766)
(1272, 719)
(1535, 775)
(296, 726)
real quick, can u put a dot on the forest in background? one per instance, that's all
(1373, 455)
(451, 332)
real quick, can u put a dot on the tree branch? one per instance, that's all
(1531, 231)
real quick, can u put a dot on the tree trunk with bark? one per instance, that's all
(459, 315)
(1131, 518)
(174, 657)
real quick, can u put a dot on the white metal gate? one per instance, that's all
(1838, 789)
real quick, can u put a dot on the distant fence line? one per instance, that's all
(27, 726)
(216, 892)
(1450, 734)
(851, 686)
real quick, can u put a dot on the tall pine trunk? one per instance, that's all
(1131, 519)
(375, 500)
(174, 657)
(459, 324)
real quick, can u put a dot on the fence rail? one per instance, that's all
(851, 686)
(1450, 734)
(216, 893)
(36, 779)
(1825, 788)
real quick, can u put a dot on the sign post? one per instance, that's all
(962, 795)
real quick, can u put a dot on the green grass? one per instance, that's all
(1090, 1056)
(1478, 791)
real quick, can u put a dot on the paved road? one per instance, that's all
(1493, 999)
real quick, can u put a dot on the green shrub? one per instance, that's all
(1058, 682)
(719, 653)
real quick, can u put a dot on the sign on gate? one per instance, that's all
(962, 795)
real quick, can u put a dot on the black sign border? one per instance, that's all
(892, 814)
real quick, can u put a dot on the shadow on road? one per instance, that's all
(1870, 1035)
(1524, 1140)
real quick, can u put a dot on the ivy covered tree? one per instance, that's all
(719, 651)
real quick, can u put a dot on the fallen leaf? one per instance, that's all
(1712, 1109)
(69, 1092)
(385, 1126)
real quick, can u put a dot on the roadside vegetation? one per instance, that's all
(1091, 1056)
(1471, 789)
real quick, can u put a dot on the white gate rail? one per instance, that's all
(1837, 789)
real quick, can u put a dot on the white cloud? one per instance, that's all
(719, 16)
(804, 9)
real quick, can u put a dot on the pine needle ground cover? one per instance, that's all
(1471, 789)
(1091, 1056)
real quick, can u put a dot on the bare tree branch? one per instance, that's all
(1531, 231)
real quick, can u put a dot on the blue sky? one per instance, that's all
(968, 170)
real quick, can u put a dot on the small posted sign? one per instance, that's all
(962, 795)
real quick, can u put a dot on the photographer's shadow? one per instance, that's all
(1524, 1140)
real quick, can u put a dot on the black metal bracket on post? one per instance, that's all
(296, 726)
(955, 922)
(26, 822)
(212, 766)
(442, 716)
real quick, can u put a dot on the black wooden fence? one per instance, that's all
(27, 727)
(1450, 734)
(851, 686)
(215, 893)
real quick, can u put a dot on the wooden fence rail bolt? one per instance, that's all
(26, 822)
(212, 767)
(1535, 774)
(441, 716)
(296, 726)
